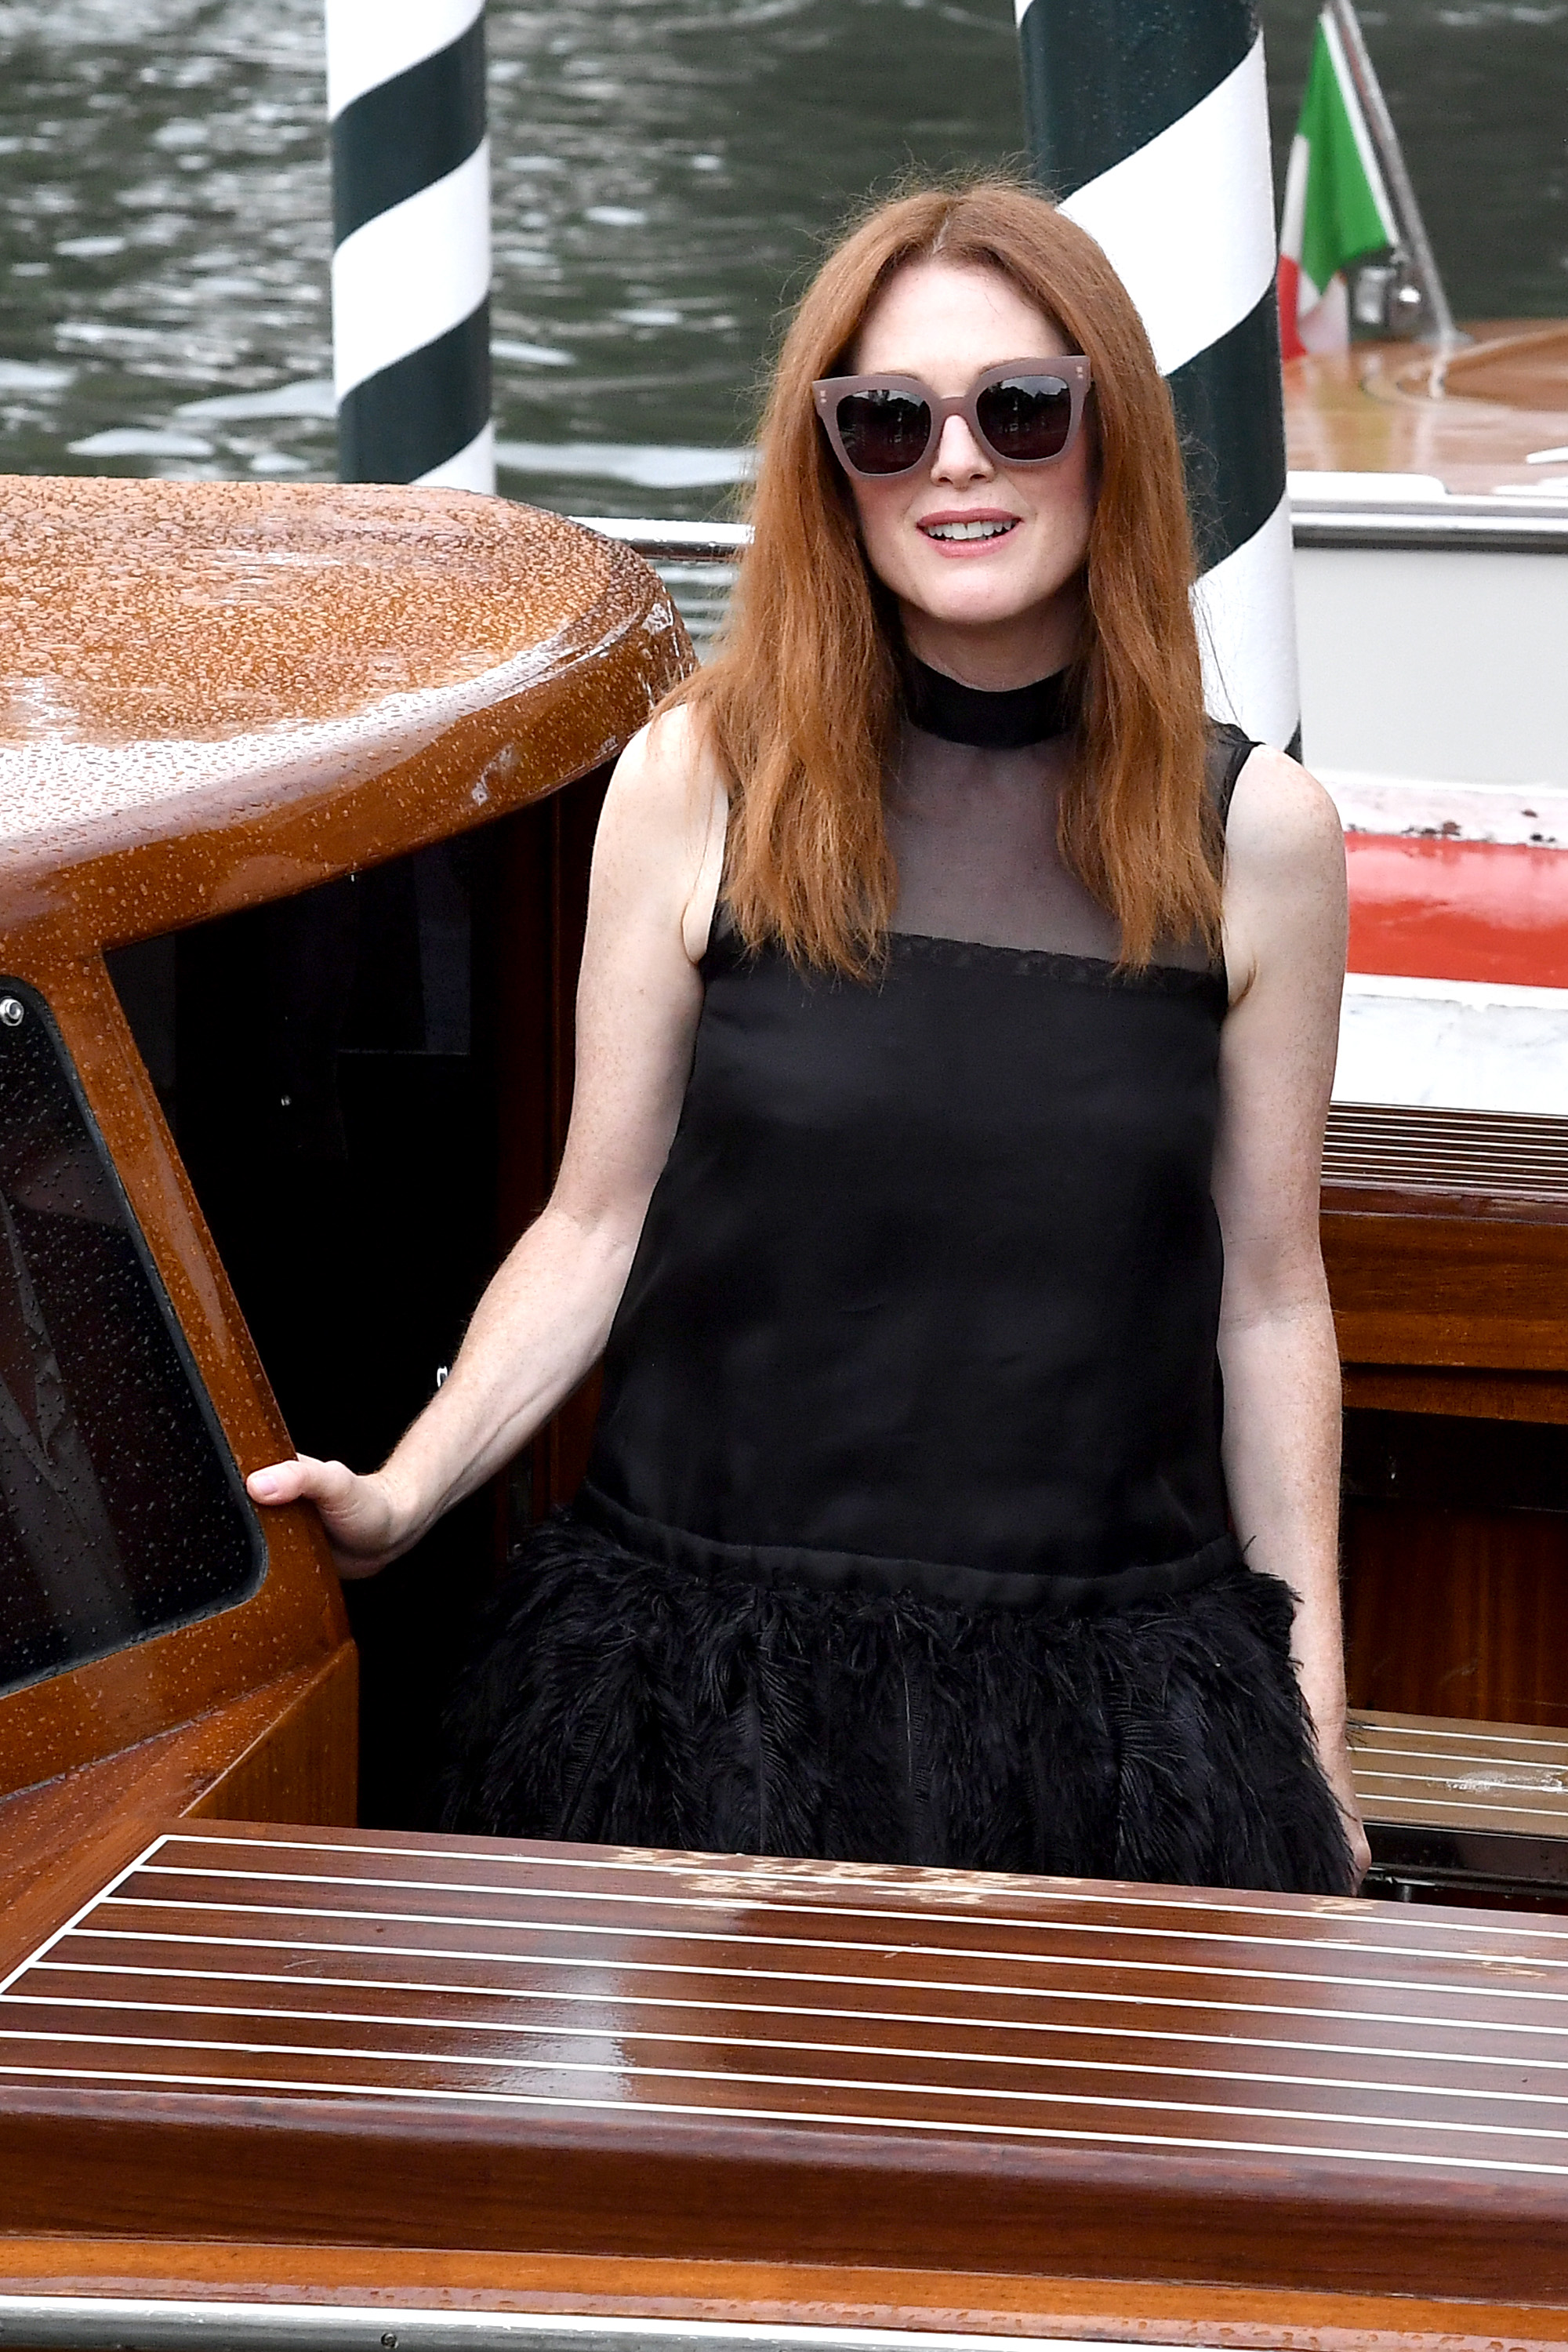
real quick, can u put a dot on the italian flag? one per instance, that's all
(1336, 206)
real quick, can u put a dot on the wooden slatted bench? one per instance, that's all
(308, 2037)
(1451, 1804)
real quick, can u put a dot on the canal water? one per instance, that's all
(665, 171)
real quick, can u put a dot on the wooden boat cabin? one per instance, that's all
(297, 787)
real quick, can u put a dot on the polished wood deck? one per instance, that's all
(1473, 421)
(313, 2036)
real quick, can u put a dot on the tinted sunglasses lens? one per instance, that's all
(883, 432)
(1025, 417)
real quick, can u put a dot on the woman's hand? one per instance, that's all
(364, 1523)
(1335, 1757)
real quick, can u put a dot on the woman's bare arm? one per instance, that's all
(543, 1320)
(1285, 946)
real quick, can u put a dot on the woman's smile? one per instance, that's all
(967, 531)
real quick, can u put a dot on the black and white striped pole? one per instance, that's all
(411, 237)
(1148, 120)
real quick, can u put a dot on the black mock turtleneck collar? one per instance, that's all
(997, 722)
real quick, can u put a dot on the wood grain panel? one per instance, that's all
(304, 1764)
(1446, 1244)
(402, 2040)
(1536, 1396)
(788, 2293)
(1448, 1290)
(1458, 1612)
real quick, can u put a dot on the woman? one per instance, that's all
(945, 1133)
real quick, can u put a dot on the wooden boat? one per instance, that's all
(271, 2073)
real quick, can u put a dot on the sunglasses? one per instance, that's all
(1024, 412)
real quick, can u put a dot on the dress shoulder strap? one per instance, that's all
(1228, 753)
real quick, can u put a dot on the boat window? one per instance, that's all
(368, 1085)
(121, 1512)
(357, 1079)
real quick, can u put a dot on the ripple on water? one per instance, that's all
(665, 170)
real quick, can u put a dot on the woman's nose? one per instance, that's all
(959, 455)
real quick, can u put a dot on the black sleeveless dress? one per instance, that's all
(905, 1535)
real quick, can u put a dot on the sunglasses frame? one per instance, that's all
(1073, 368)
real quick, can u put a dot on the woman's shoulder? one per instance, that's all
(665, 817)
(669, 777)
(1284, 877)
(673, 751)
(1279, 814)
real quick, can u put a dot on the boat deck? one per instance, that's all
(1473, 420)
(303, 2034)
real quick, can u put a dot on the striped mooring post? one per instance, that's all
(1148, 119)
(411, 237)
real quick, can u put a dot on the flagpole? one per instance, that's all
(411, 260)
(1390, 156)
(1148, 119)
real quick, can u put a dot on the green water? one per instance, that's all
(665, 171)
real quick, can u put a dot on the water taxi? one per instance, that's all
(273, 2075)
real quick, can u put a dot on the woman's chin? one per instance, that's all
(973, 602)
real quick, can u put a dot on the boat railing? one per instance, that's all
(1405, 514)
(1413, 510)
(697, 561)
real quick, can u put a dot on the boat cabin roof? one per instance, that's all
(213, 693)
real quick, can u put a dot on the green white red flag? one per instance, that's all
(1336, 206)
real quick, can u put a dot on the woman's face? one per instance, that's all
(1003, 609)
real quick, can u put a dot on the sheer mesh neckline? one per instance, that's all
(972, 829)
(1007, 721)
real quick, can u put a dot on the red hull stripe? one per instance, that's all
(1459, 910)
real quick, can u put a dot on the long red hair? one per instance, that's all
(801, 698)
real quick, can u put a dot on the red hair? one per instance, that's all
(801, 699)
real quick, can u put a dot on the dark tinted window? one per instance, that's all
(121, 1512)
(328, 1067)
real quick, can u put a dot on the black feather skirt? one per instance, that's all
(623, 1701)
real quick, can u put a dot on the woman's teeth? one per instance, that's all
(965, 530)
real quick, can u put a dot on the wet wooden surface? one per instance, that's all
(1425, 1771)
(217, 694)
(214, 694)
(996, 2303)
(1372, 410)
(410, 2041)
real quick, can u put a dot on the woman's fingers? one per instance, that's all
(281, 1482)
(356, 1512)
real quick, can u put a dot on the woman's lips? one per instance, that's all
(967, 534)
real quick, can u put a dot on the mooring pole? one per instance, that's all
(1148, 120)
(411, 236)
